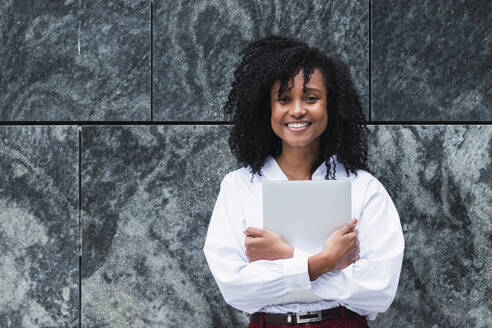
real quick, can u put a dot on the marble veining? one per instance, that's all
(143, 265)
(431, 60)
(148, 191)
(439, 178)
(147, 196)
(75, 60)
(38, 226)
(197, 45)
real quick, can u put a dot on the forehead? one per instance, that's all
(315, 81)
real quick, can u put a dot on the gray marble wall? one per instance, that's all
(108, 173)
(39, 265)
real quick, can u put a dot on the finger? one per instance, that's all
(355, 257)
(252, 242)
(354, 234)
(349, 226)
(248, 256)
(254, 232)
(351, 237)
(351, 255)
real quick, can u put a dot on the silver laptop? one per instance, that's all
(305, 213)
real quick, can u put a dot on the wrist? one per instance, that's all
(318, 265)
(288, 252)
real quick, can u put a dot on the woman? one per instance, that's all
(297, 117)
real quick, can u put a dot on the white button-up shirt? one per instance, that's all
(367, 286)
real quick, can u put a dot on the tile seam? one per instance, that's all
(139, 123)
(370, 63)
(151, 60)
(79, 133)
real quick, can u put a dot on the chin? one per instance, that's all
(297, 143)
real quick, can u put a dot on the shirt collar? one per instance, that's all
(272, 171)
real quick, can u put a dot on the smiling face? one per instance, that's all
(298, 118)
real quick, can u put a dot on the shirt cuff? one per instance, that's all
(296, 273)
(300, 253)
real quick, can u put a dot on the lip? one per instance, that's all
(298, 129)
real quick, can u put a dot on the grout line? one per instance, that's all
(151, 60)
(430, 123)
(79, 132)
(92, 123)
(370, 62)
(140, 123)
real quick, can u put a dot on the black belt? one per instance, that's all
(301, 317)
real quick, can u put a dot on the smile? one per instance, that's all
(298, 125)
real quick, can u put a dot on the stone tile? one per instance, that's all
(439, 178)
(431, 60)
(147, 201)
(197, 45)
(39, 226)
(148, 194)
(75, 60)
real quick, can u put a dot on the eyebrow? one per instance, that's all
(312, 89)
(307, 89)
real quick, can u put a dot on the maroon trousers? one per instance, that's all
(346, 320)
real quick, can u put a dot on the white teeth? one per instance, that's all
(298, 125)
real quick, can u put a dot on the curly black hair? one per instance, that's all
(276, 58)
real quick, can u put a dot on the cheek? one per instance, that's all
(276, 123)
(276, 116)
(325, 117)
(276, 127)
(323, 113)
(322, 117)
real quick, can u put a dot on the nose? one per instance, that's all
(297, 109)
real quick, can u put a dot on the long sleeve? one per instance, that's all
(369, 285)
(246, 286)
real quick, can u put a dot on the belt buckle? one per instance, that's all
(304, 317)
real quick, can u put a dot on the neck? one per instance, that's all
(298, 163)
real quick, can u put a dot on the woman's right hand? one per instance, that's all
(341, 249)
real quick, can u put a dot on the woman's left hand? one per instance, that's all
(262, 244)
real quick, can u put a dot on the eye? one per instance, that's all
(283, 99)
(311, 99)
